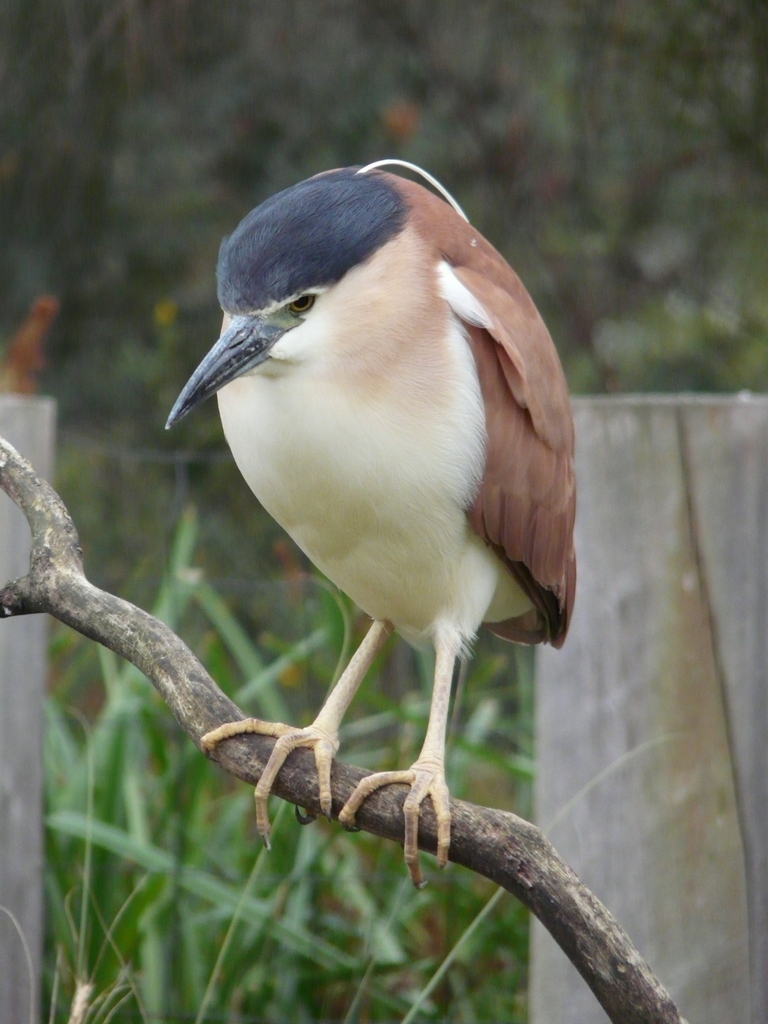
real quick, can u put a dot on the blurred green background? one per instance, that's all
(615, 152)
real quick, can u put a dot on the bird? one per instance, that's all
(393, 398)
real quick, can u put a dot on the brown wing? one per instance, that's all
(526, 504)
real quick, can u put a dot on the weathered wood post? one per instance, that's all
(29, 425)
(653, 720)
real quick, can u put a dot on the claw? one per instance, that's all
(327, 808)
(304, 819)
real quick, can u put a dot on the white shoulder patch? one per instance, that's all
(460, 298)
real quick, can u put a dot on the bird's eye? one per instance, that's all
(302, 304)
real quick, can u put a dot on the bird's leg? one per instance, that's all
(322, 735)
(426, 776)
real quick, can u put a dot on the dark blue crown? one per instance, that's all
(307, 236)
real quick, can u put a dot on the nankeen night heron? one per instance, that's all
(392, 397)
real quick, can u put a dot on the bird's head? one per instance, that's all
(279, 262)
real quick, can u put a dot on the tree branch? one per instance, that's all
(502, 847)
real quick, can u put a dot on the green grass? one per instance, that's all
(159, 894)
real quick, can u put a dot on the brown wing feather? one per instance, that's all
(526, 504)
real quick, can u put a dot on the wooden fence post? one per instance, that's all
(29, 424)
(652, 722)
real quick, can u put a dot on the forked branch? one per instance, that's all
(502, 847)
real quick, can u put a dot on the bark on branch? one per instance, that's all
(502, 847)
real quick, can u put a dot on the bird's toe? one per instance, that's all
(324, 752)
(365, 787)
(243, 727)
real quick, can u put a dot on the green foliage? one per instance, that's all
(159, 894)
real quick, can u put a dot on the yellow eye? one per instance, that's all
(302, 304)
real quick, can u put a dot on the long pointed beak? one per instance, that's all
(245, 343)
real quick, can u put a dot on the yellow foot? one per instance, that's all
(426, 779)
(324, 742)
